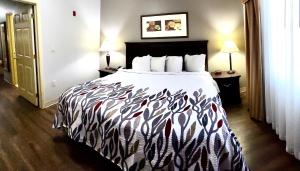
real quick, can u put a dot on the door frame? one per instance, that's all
(38, 47)
(11, 48)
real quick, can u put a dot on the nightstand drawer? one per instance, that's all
(232, 83)
(105, 72)
(229, 88)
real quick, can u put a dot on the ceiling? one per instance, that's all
(10, 6)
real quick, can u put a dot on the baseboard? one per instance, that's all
(7, 77)
(50, 103)
(243, 91)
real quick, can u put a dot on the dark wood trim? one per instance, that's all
(229, 86)
(177, 48)
(104, 71)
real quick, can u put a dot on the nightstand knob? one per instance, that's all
(227, 85)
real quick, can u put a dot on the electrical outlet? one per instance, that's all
(53, 83)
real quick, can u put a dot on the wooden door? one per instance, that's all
(25, 55)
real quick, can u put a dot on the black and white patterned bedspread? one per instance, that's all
(141, 131)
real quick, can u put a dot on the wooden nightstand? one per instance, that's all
(229, 85)
(104, 72)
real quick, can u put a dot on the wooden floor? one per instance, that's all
(27, 141)
(262, 148)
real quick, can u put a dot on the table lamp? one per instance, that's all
(107, 46)
(230, 47)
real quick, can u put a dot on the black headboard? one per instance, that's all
(179, 48)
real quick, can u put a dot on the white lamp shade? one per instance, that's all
(106, 46)
(229, 47)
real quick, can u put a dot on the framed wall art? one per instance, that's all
(169, 25)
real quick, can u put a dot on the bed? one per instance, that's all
(178, 124)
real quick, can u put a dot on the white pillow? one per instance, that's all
(174, 64)
(194, 63)
(141, 63)
(158, 64)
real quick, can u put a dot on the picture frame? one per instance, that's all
(167, 25)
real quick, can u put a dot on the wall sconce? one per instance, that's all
(107, 46)
(229, 47)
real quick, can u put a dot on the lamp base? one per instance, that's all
(107, 60)
(231, 72)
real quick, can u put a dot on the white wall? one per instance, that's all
(69, 44)
(213, 20)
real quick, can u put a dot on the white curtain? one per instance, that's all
(281, 53)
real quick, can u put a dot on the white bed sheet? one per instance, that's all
(157, 81)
